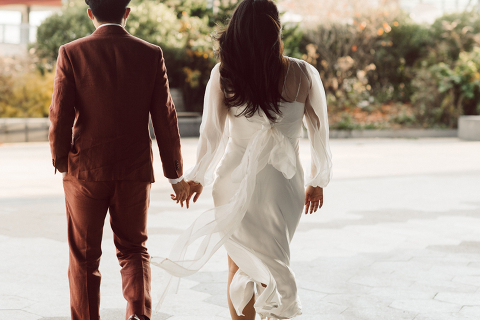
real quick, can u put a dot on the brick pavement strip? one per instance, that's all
(398, 237)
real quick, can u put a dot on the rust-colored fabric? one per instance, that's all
(106, 85)
(87, 203)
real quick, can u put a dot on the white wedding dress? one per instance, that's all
(258, 191)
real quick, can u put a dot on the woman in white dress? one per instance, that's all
(255, 102)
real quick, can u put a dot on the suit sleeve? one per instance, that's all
(62, 112)
(165, 124)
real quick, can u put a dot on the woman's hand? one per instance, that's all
(182, 191)
(313, 199)
(196, 188)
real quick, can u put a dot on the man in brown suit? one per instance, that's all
(106, 86)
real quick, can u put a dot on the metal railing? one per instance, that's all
(36, 129)
(17, 33)
(23, 129)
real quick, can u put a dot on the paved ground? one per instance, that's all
(398, 238)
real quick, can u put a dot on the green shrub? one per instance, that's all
(180, 36)
(444, 92)
(379, 49)
(70, 24)
(346, 122)
(452, 34)
(24, 90)
(6, 86)
(182, 28)
(396, 54)
(373, 60)
(346, 56)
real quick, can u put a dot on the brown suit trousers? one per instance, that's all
(87, 204)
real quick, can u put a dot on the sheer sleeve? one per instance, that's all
(316, 121)
(213, 132)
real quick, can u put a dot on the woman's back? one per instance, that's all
(260, 179)
(295, 87)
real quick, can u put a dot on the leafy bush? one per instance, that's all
(70, 24)
(398, 54)
(383, 57)
(24, 90)
(6, 85)
(379, 68)
(376, 52)
(464, 81)
(345, 55)
(444, 92)
(452, 34)
(180, 36)
(182, 28)
(447, 83)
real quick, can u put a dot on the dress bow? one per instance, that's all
(282, 155)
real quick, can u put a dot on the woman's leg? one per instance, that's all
(249, 310)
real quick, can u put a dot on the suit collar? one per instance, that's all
(110, 30)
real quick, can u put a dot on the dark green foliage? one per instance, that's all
(382, 48)
(70, 24)
(407, 44)
(376, 58)
(454, 33)
(182, 28)
(447, 84)
(444, 92)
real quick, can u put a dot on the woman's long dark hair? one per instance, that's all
(251, 58)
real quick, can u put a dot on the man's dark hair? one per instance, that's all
(108, 10)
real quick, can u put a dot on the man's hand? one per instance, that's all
(196, 188)
(182, 191)
(313, 199)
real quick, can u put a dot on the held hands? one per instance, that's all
(313, 199)
(184, 191)
(196, 188)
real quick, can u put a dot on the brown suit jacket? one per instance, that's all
(106, 85)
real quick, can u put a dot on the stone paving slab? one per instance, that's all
(398, 237)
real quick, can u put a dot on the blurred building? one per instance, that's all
(425, 12)
(19, 20)
(421, 11)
